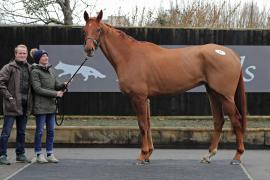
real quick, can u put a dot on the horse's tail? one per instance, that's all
(240, 101)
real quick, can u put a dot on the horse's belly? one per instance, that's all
(170, 87)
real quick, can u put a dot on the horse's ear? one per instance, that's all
(100, 14)
(86, 16)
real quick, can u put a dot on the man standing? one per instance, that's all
(16, 92)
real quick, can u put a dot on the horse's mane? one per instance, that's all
(121, 33)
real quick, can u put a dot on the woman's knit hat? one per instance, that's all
(36, 54)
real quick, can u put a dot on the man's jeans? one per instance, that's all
(20, 139)
(41, 119)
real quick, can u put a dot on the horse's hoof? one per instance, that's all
(235, 162)
(147, 161)
(205, 160)
(140, 163)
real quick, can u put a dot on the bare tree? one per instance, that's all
(1, 17)
(64, 12)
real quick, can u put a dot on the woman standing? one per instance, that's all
(46, 89)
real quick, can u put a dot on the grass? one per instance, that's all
(157, 121)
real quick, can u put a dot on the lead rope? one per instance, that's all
(61, 106)
(58, 113)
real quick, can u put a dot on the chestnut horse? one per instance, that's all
(145, 69)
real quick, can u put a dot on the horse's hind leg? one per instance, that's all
(217, 112)
(140, 106)
(235, 118)
(149, 133)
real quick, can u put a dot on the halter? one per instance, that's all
(96, 42)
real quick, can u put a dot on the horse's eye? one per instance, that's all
(98, 30)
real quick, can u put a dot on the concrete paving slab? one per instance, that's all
(115, 169)
(255, 162)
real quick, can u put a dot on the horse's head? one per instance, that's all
(92, 32)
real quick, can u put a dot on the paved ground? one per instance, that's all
(118, 163)
(125, 169)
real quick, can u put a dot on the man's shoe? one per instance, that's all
(41, 159)
(3, 160)
(52, 159)
(22, 158)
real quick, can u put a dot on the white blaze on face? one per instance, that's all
(220, 52)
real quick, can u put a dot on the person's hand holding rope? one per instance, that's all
(60, 93)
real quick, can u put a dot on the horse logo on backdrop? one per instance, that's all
(85, 71)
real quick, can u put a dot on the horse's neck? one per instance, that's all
(115, 47)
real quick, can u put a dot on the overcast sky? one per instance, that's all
(110, 7)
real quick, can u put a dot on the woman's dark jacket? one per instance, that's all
(45, 87)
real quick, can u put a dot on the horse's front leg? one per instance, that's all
(140, 106)
(149, 133)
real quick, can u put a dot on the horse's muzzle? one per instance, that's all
(90, 52)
